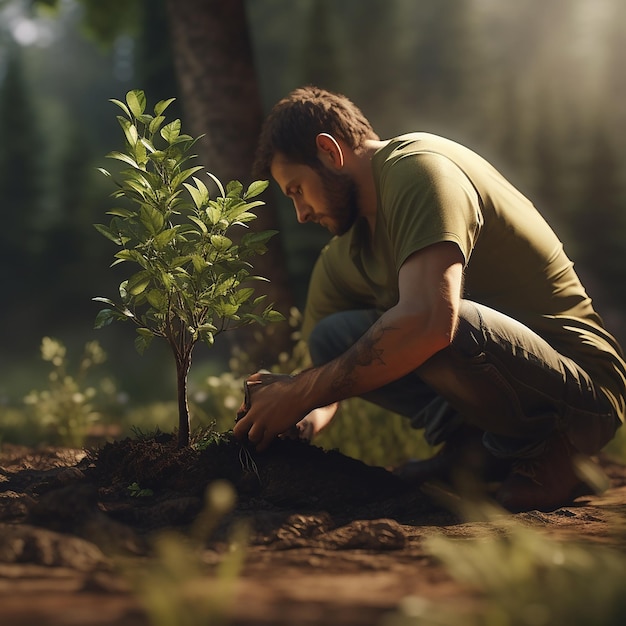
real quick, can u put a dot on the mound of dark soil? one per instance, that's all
(291, 476)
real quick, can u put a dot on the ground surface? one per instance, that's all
(330, 540)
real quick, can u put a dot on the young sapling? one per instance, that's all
(191, 280)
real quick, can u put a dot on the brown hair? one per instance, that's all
(296, 120)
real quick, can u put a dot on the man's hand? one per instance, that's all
(272, 406)
(312, 424)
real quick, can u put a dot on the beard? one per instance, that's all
(341, 200)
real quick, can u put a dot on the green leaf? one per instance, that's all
(253, 205)
(254, 240)
(140, 153)
(130, 130)
(216, 180)
(157, 299)
(164, 238)
(254, 318)
(181, 271)
(160, 106)
(108, 233)
(152, 219)
(256, 188)
(179, 261)
(120, 156)
(138, 283)
(244, 294)
(273, 316)
(147, 145)
(120, 212)
(184, 175)
(226, 309)
(214, 213)
(243, 218)
(167, 280)
(199, 264)
(131, 255)
(221, 288)
(199, 194)
(200, 223)
(240, 209)
(136, 100)
(104, 318)
(171, 131)
(234, 189)
(184, 139)
(155, 124)
(158, 156)
(220, 242)
(142, 342)
(139, 187)
(103, 171)
(145, 119)
(121, 105)
(105, 300)
(207, 336)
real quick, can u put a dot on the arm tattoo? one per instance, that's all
(363, 353)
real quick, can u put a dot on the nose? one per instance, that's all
(303, 211)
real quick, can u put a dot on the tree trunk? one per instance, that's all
(183, 364)
(218, 84)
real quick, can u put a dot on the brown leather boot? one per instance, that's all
(545, 482)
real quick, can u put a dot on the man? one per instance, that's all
(444, 296)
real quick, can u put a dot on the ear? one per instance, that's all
(329, 150)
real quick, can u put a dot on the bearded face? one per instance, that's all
(340, 194)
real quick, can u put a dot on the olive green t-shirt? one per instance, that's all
(431, 189)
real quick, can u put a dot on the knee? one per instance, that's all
(336, 333)
(321, 342)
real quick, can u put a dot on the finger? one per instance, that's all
(264, 442)
(305, 429)
(241, 411)
(291, 433)
(256, 435)
(241, 428)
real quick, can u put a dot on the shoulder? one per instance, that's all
(417, 158)
(420, 169)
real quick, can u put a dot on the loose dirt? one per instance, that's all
(329, 539)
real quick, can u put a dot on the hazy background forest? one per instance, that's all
(538, 87)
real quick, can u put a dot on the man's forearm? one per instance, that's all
(395, 345)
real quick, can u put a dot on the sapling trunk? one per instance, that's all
(182, 370)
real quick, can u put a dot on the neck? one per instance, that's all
(361, 167)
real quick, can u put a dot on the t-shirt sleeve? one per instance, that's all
(426, 199)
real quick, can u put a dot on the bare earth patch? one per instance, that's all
(331, 540)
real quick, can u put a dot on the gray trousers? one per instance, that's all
(497, 375)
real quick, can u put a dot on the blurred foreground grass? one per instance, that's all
(517, 575)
